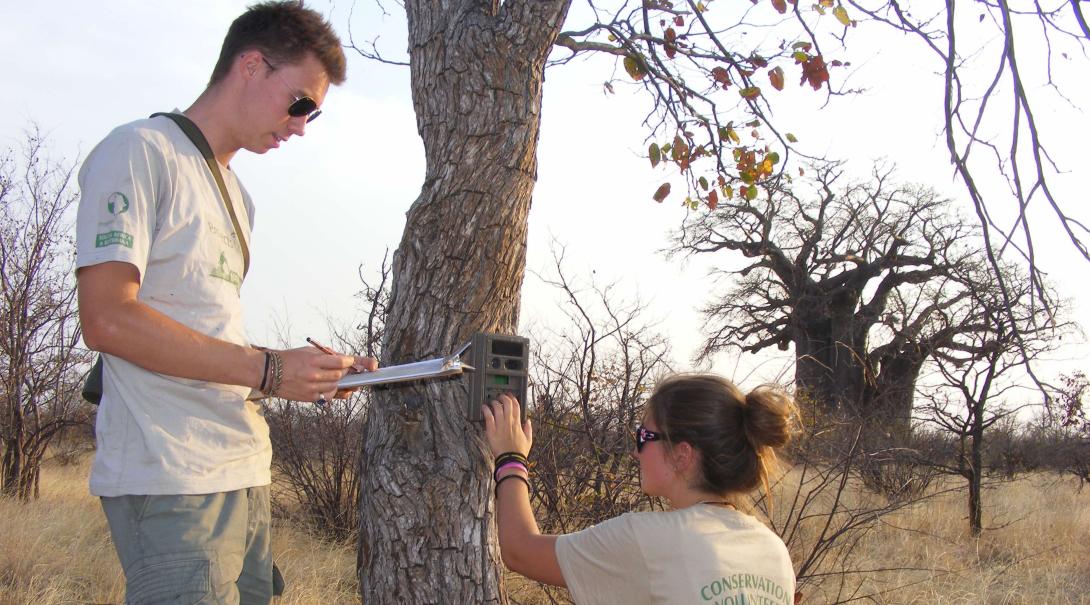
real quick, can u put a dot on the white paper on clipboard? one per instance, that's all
(440, 367)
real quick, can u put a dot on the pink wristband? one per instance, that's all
(512, 465)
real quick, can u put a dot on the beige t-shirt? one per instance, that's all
(148, 198)
(699, 555)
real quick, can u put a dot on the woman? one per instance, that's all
(702, 445)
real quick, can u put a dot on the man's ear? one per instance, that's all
(249, 63)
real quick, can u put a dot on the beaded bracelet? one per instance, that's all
(277, 373)
(279, 370)
(511, 476)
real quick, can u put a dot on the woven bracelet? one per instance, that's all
(502, 461)
(509, 456)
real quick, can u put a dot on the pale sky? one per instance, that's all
(336, 198)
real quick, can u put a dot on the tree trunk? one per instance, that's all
(12, 474)
(9, 474)
(833, 367)
(890, 400)
(976, 470)
(426, 530)
(828, 360)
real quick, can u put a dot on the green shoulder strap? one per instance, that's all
(197, 137)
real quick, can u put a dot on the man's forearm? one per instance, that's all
(145, 337)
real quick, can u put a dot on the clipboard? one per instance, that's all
(440, 367)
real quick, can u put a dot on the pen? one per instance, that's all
(328, 351)
(315, 344)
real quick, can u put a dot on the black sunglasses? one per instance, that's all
(643, 436)
(301, 106)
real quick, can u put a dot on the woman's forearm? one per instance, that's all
(523, 547)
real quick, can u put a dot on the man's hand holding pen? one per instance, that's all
(359, 364)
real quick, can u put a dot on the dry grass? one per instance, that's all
(1036, 550)
(57, 551)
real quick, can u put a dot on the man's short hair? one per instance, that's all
(284, 31)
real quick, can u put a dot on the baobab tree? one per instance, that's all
(857, 278)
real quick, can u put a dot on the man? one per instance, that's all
(183, 458)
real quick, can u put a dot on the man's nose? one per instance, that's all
(298, 126)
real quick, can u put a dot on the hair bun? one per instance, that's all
(766, 417)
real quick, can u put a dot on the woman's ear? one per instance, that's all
(684, 457)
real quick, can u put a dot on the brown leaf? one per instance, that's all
(661, 192)
(713, 199)
(721, 75)
(775, 76)
(814, 72)
(671, 42)
(780, 6)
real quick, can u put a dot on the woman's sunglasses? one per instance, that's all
(643, 436)
(301, 106)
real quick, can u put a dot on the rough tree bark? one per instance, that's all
(427, 533)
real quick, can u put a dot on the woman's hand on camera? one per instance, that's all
(503, 429)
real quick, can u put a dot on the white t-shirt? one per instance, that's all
(698, 555)
(148, 198)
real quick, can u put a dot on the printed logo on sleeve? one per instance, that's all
(117, 203)
(113, 238)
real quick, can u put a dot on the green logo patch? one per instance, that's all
(226, 274)
(111, 238)
(117, 203)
